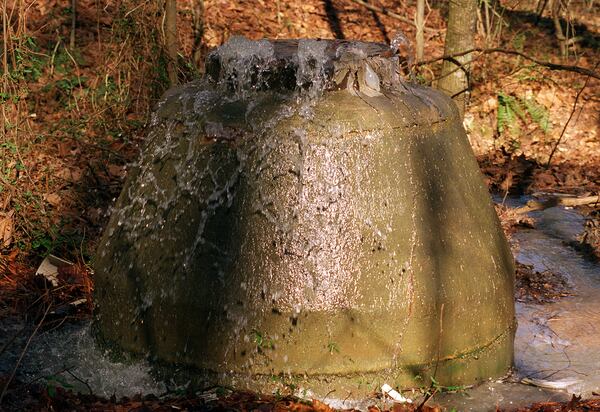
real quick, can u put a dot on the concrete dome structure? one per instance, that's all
(304, 212)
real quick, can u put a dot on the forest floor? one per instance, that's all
(74, 118)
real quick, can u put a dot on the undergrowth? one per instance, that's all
(72, 116)
(515, 111)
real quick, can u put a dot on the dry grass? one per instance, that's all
(72, 117)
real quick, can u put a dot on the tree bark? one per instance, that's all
(73, 24)
(198, 20)
(171, 39)
(420, 25)
(555, 7)
(460, 36)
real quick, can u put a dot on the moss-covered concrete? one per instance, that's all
(342, 245)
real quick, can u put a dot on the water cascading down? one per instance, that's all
(304, 213)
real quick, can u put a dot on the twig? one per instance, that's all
(389, 13)
(135, 8)
(80, 380)
(78, 71)
(551, 66)
(432, 389)
(14, 371)
(562, 133)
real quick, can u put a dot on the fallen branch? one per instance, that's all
(389, 13)
(580, 201)
(89, 388)
(557, 201)
(551, 66)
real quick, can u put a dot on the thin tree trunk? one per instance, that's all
(555, 7)
(460, 37)
(4, 43)
(198, 20)
(420, 25)
(171, 39)
(73, 23)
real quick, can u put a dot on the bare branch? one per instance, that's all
(551, 66)
(389, 13)
(562, 133)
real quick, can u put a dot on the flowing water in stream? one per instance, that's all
(557, 344)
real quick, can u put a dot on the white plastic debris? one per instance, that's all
(49, 268)
(395, 395)
(564, 383)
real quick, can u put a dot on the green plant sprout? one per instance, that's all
(333, 347)
(261, 340)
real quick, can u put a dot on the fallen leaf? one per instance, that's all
(53, 198)
(70, 175)
(6, 228)
(116, 170)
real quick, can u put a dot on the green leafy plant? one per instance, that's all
(438, 388)
(43, 243)
(508, 113)
(28, 62)
(54, 382)
(515, 111)
(519, 41)
(538, 113)
(333, 347)
(261, 340)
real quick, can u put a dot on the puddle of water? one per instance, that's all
(70, 356)
(492, 395)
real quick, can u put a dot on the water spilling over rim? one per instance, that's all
(305, 65)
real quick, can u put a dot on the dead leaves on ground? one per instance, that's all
(6, 229)
(68, 296)
(248, 401)
(576, 404)
(237, 401)
(539, 287)
(511, 219)
(589, 240)
(62, 399)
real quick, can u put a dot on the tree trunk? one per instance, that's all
(420, 25)
(555, 7)
(460, 36)
(198, 21)
(171, 39)
(73, 24)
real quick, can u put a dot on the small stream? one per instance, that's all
(557, 344)
(561, 341)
